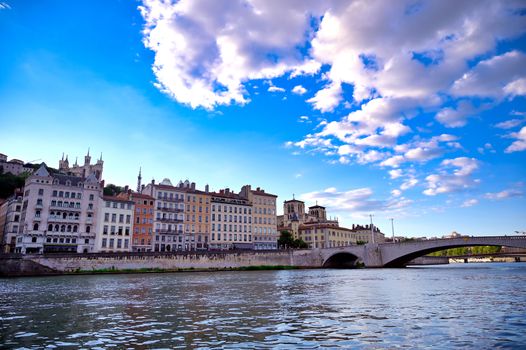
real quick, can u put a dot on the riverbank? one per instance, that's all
(76, 264)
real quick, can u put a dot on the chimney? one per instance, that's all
(126, 188)
(153, 181)
(193, 185)
(207, 189)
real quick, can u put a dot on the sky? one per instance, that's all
(411, 110)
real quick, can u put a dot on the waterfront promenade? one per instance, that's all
(368, 255)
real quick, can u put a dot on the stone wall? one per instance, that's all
(77, 263)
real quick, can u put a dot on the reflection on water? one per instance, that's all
(462, 306)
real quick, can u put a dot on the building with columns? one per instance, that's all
(59, 213)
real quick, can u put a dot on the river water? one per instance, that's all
(475, 306)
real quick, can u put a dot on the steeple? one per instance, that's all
(139, 178)
(76, 161)
(87, 158)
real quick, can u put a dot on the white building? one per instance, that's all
(58, 213)
(114, 225)
(14, 166)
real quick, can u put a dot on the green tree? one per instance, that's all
(286, 240)
(112, 190)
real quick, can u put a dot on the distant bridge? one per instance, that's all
(399, 254)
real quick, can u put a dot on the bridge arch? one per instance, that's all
(399, 255)
(341, 260)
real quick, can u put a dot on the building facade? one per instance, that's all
(114, 224)
(197, 216)
(142, 237)
(231, 221)
(14, 166)
(10, 213)
(264, 226)
(319, 231)
(168, 221)
(58, 213)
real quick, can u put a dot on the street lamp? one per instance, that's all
(392, 228)
(372, 233)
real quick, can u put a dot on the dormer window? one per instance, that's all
(55, 182)
(68, 183)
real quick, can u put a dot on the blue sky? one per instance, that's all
(413, 110)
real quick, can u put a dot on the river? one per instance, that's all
(474, 306)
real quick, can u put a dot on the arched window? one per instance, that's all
(63, 228)
(75, 228)
(76, 216)
(35, 226)
(64, 215)
(88, 229)
(50, 227)
(56, 228)
(69, 228)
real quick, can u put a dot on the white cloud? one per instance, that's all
(469, 203)
(459, 180)
(509, 124)
(396, 193)
(409, 183)
(304, 119)
(327, 99)
(395, 173)
(299, 90)
(4, 6)
(520, 143)
(354, 201)
(275, 89)
(456, 117)
(495, 77)
(505, 194)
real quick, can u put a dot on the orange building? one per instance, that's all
(142, 221)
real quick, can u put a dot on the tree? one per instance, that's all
(286, 240)
(112, 190)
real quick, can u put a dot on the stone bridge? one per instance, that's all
(399, 254)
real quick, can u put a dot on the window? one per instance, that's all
(35, 226)
(39, 201)
(128, 219)
(105, 230)
(104, 242)
(113, 217)
(111, 242)
(90, 206)
(91, 197)
(88, 229)
(121, 218)
(106, 217)
(54, 193)
(107, 204)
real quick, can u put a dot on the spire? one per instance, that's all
(88, 152)
(100, 156)
(139, 178)
(76, 163)
(62, 155)
(293, 197)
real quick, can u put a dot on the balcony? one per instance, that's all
(171, 221)
(170, 232)
(171, 210)
(63, 207)
(168, 199)
(61, 219)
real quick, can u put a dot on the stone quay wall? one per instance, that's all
(34, 265)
